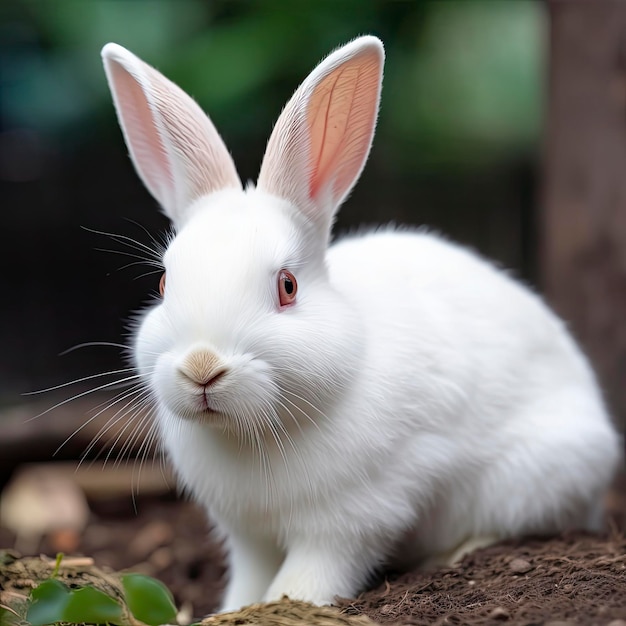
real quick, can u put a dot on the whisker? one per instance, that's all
(83, 394)
(124, 455)
(134, 435)
(159, 271)
(144, 450)
(159, 245)
(298, 456)
(115, 418)
(89, 344)
(142, 259)
(290, 413)
(80, 380)
(135, 263)
(300, 409)
(107, 405)
(125, 240)
(134, 407)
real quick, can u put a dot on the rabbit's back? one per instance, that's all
(440, 301)
(465, 357)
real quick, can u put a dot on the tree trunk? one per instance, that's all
(584, 212)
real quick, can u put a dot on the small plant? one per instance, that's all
(148, 600)
(52, 602)
(142, 601)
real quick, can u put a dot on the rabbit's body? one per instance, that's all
(401, 400)
(469, 413)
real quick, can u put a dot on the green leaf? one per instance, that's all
(92, 606)
(48, 602)
(149, 600)
(52, 601)
(9, 618)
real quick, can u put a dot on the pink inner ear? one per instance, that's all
(138, 124)
(341, 117)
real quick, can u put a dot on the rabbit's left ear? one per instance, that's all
(323, 136)
(174, 146)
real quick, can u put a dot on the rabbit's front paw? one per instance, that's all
(301, 587)
(316, 577)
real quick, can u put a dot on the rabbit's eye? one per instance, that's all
(287, 288)
(162, 285)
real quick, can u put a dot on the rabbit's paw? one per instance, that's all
(316, 577)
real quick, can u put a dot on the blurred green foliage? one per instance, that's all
(463, 83)
(456, 144)
(473, 88)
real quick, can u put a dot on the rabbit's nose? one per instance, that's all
(203, 368)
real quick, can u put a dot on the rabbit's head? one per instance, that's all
(249, 333)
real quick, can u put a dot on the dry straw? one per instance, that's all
(287, 613)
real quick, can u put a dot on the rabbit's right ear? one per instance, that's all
(322, 138)
(174, 146)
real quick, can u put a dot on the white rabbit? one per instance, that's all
(333, 408)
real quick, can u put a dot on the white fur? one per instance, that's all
(414, 400)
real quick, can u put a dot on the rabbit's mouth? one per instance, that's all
(204, 404)
(201, 415)
(196, 407)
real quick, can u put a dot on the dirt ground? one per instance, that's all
(573, 579)
(570, 579)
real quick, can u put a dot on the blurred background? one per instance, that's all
(456, 149)
(503, 125)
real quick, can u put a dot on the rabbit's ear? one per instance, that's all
(174, 146)
(323, 136)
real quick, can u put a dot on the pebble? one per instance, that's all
(520, 566)
(617, 622)
(499, 613)
(161, 558)
(150, 537)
